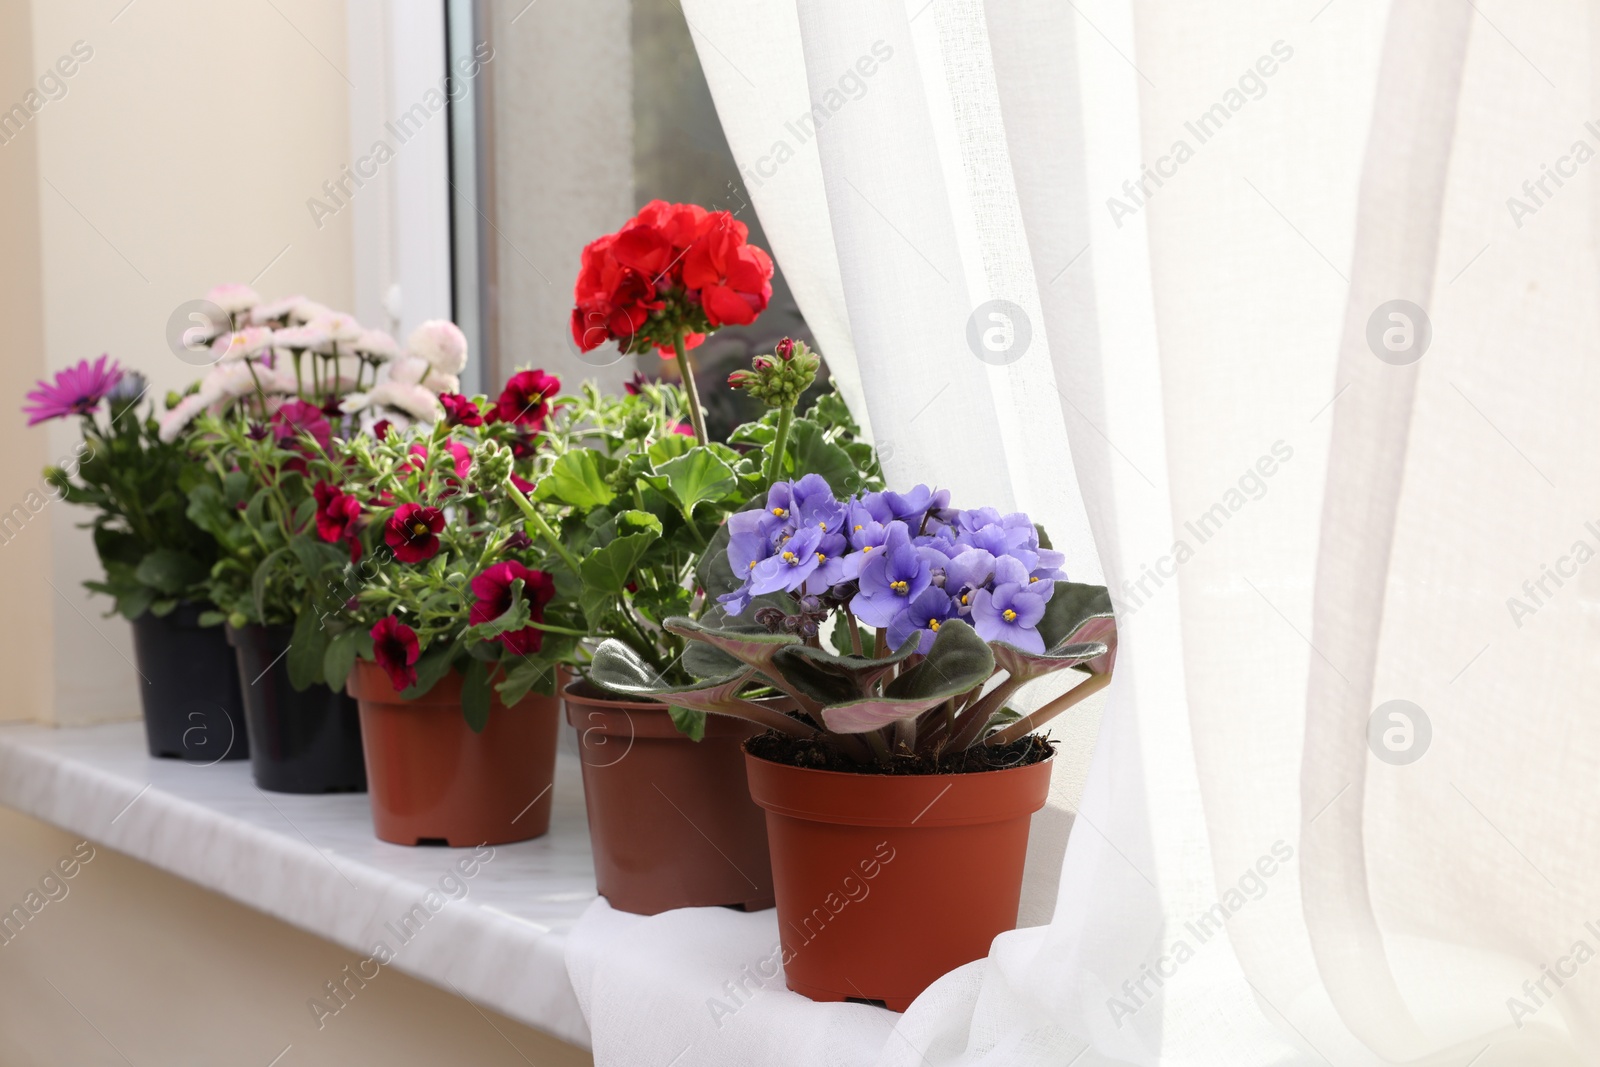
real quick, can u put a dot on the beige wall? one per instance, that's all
(172, 974)
(181, 156)
(25, 643)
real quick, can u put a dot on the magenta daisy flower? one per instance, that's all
(75, 391)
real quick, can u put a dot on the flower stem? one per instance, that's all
(780, 445)
(697, 418)
(540, 526)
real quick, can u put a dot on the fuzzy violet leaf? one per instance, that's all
(1078, 631)
(959, 662)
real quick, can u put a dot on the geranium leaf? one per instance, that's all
(696, 476)
(576, 479)
(610, 569)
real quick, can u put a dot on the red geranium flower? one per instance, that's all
(525, 401)
(413, 532)
(394, 646)
(460, 411)
(675, 270)
(733, 276)
(493, 590)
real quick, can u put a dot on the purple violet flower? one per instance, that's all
(788, 569)
(923, 617)
(894, 576)
(1010, 613)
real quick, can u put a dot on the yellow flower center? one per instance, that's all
(867, 549)
(780, 513)
(900, 587)
(419, 528)
(790, 558)
(963, 600)
(859, 526)
(1031, 580)
(933, 624)
(821, 558)
(1009, 615)
(753, 563)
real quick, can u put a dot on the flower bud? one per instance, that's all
(785, 349)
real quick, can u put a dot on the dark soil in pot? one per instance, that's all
(301, 741)
(189, 688)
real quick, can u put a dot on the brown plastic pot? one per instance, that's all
(432, 780)
(886, 882)
(670, 820)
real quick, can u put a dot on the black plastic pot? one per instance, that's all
(301, 741)
(189, 688)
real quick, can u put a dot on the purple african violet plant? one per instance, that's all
(962, 609)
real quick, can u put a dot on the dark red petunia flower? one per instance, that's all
(525, 401)
(523, 485)
(493, 590)
(338, 517)
(460, 411)
(298, 417)
(394, 646)
(380, 429)
(635, 385)
(413, 532)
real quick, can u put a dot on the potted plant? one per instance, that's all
(627, 507)
(263, 422)
(450, 648)
(899, 792)
(155, 558)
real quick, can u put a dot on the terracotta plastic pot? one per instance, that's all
(886, 882)
(190, 691)
(671, 822)
(301, 741)
(433, 781)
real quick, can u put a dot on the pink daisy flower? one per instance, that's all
(75, 391)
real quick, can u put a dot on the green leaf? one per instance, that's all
(343, 648)
(831, 679)
(529, 675)
(1079, 630)
(814, 454)
(620, 669)
(170, 571)
(610, 569)
(576, 479)
(959, 661)
(513, 618)
(691, 724)
(697, 476)
(753, 648)
(670, 447)
(433, 665)
(162, 608)
(475, 696)
(307, 648)
(258, 581)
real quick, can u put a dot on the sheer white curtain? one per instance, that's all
(1306, 507)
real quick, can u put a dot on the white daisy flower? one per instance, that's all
(341, 328)
(300, 338)
(279, 311)
(375, 346)
(441, 343)
(307, 311)
(233, 298)
(412, 400)
(241, 344)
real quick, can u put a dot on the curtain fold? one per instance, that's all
(1203, 217)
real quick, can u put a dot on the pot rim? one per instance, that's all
(852, 798)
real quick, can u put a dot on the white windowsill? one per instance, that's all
(314, 862)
